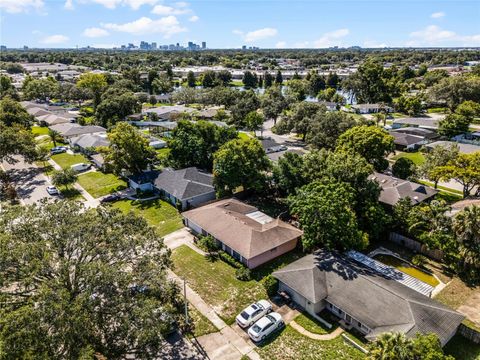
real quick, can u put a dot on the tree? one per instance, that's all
(437, 157)
(223, 77)
(368, 83)
(469, 109)
(315, 83)
(412, 105)
(95, 83)
(246, 102)
(465, 169)
(254, 120)
(240, 163)
(194, 143)
(16, 140)
(191, 80)
(278, 78)
(249, 80)
(268, 80)
(456, 89)
(11, 112)
(326, 215)
(332, 80)
(288, 173)
(466, 226)
(54, 136)
(327, 127)
(273, 103)
(403, 168)
(152, 75)
(454, 124)
(41, 89)
(83, 284)
(116, 104)
(302, 117)
(162, 84)
(208, 79)
(7, 88)
(128, 150)
(64, 177)
(297, 89)
(371, 142)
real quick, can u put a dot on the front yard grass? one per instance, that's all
(311, 324)
(39, 130)
(462, 348)
(216, 283)
(158, 213)
(65, 160)
(202, 326)
(291, 345)
(99, 184)
(417, 157)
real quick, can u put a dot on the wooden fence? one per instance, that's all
(415, 246)
(469, 333)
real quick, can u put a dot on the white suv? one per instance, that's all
(254, 312)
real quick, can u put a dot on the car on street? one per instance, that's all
(52, 190)
(80, 167)
(110, 198)
(58, 150)
(253, 312)
(265, 326)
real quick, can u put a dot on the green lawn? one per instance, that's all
(244, 136)
(70, 193)
(159, 214)
(39, 130)
(291, 345)
(417, 157)
(215, 282)
(66, 160)
(99, 184)
(311, 324)
(462, 349)
(202, 326)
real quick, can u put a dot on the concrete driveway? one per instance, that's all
(29, 181)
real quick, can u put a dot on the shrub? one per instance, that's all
(208, 243)
(270, 284)
(419, 260)
(230, 260)
(243, 274)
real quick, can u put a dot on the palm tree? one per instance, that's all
(466, 226)
(391, 346)
(54, 136)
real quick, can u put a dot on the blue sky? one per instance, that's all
(229, 23)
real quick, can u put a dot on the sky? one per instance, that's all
(232, 23)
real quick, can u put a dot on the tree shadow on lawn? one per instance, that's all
(70, 193)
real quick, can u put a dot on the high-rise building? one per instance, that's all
(204, 45)
(154, 46)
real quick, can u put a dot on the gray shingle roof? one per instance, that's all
(377, 301)
(185, 183)
(419, 121)
(406, 139)
(90, 141)
(463, 148)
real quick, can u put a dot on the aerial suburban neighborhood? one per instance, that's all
(282, 199)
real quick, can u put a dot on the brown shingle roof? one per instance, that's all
(233, 222)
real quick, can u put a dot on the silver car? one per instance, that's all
(252, 313)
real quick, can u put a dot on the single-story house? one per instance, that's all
(143, 181)
(331, 106)
(463, 148)
(52, 119)
(371, 108)
(189, 187)
(86, 142)
(98, 161)
(406, 141)
(417, 131)
(37, 111)
(244, 232)
(395, 189)
(157, 143)
(271, 146)
(168, 112)
(69, 130)
(363, 298)
(421, 122)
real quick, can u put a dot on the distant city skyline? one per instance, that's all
(233, 24)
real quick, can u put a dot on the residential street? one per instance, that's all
(29, 181)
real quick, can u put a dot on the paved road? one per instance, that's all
(29, 181)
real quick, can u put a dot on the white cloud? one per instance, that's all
(169, 10)
(68, 5)
(437, 15)
(433, 35)
(373, 44)
(193, 18)
(55, 39)
(18, 6)
(167, 26)
(301, 44)
(281, 45)
(331, 38)
(112, 4)
(256, 35)
(95, 32)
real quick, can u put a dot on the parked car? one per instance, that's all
(58, 150)
(265, 326)
(52, 190)
(80, 167)
(110, 198)
(253, 312)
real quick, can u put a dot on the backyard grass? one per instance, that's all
(159, 214)
(291, 345)
(244, 136)
(202, 326)
(99, 184)
(39, 130)
(462, 349)
(417, 157)
(311, 324)
(215, 282)
(456, 293)
(65, 160)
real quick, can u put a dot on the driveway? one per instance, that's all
(29, 181)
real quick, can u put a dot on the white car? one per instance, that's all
(252, 313)
(52, 190)
(265, 326)
(80, 167)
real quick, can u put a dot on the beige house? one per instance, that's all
(244, 232)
